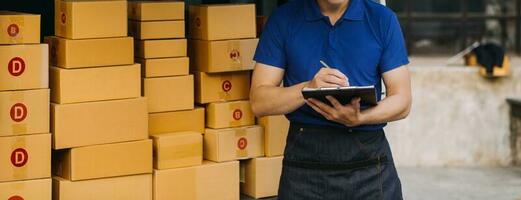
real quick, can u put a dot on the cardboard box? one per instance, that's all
(160, 67)
(99, 123)
(160, 48)
(215, 181)
(39, 189)
(275, 133)
(222, 145)
(179, 149)
(229, 114)
(169, 93)
(159, 10)
(138, 187)
(24, 67)
(222, 21)
(103, 161)
(95, 84)
(24, 112)
(77, 19)
(19, 28)
(215, 87)
(67, 53)
(177, 121)
(261, 177)
(222, 56)
(157, 29)
(25, 157)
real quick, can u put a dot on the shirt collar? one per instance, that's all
(355, 11)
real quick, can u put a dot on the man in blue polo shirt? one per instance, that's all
(339, 151)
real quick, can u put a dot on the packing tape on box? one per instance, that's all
(241, 139)
(19, 148)
(236, 113)
(226, 87)
(235, 54)
(17, 29)
(17, 127)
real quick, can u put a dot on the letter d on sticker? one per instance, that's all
(16, 66)
(19, 157)
(18, 112)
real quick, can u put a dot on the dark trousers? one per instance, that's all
(337, 164)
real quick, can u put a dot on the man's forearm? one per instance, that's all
(272, 100)
(390, 109)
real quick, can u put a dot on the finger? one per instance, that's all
(314, 107)
(322, 106)
(337, 73)
(355, 102)
(335, 80)
(334, 102)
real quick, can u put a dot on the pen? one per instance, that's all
(324, 64)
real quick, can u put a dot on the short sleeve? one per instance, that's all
(270, 49)
(394, 51)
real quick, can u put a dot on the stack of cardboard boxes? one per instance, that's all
(99, 120)
(25, 142)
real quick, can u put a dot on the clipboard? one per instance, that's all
(343, 94)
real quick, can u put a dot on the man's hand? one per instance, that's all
(348, 114)
(327, 77)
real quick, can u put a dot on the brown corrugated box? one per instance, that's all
(19, 28)
(222, 21)
(215, 181)
(261, 176)
(138, 187)
(160, 48)
(24, 112)
(99, 122)
(216, 87)
(156, 10)
(68, 53)
(103, 161)
(160, 67)
(176, 121)
(222, 56)
(222, 145)
(79, 19)
(25, 157)
(24, 67)
(157, 29)
(169, 93)
(229, 114)
(179, 149)
(95, 84)
(275, 133)
(26, 190)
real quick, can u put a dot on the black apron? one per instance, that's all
(337, 164)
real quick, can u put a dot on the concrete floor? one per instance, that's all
(458, 183)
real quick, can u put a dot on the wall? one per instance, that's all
(458, 119)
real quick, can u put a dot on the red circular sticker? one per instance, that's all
(13, 30)
(226, 86)
(235, 54)
(18, 112)
(198, 22)
(237, 114)
(242, 143)
(19, 157)
(16, 198)
(16, 66)
(63, 18)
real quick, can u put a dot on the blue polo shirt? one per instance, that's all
(364, 43)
